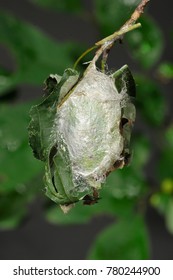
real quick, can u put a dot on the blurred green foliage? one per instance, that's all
(72, 6)
(125, 240)
(34, 53)
(127, 192)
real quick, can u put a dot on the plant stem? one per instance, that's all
(106, 44)
(116, 35)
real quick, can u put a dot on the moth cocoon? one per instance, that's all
(88, 124)
(81, 130)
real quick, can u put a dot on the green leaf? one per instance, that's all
(72, 6)
(110, 203)
(42, 134)
(124, 79)
(126, 183)
(12, 210)
(125, 240)
(146, 43)
(165, 71)
(36, 55)
(151, 101)
(16, 160)
(14, 204)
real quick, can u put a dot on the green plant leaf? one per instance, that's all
(146, 43)
(18, 165)
(36, 55)
(72, 6)
(115, 200)
(124, 80)
(125, 240)
(12, 210)
(151, 101)
(126, 183)
(42, 136)
(13, 205)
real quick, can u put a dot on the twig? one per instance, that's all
(128, 26)
(118, 34)
(137, 13)
(106, 44)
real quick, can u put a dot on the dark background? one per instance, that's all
(36, 238)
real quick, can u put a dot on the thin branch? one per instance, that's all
(128, 26)
(118, 34)
(106, 44)
(83, 54)
(137, 13)
(104, 59)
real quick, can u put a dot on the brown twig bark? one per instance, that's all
(137, 13)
